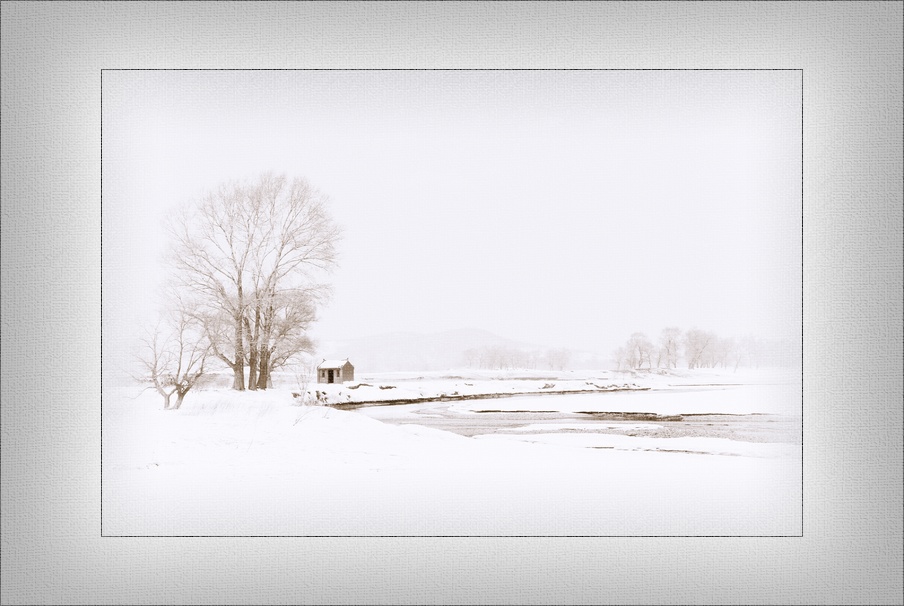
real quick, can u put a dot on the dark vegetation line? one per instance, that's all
(481, 396)
(652, 416)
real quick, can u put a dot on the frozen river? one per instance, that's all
(529, 417)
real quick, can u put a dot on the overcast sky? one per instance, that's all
(558, 208)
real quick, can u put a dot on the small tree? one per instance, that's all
(724, 351)
(669, 341)
(305, 374)
(698, 347)
(558, 358)
(639, 351)
(751, 349)
(173, 357)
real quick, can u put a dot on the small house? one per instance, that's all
(335, 371)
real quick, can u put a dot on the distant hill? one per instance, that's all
(405, 351)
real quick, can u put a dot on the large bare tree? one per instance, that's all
(248, 255)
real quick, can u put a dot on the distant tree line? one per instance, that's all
(698, 348)
(243, 267)
(502, 357)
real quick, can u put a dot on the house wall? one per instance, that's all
(348, 374)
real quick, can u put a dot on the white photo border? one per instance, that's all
(851, 58)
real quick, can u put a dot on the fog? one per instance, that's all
(559, 208)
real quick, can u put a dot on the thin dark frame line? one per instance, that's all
(449, 69)
(802, 379)
(448, 536)
(101, 302)
(802, 275)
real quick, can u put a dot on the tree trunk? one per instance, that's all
(238, 381)
(263, 377)
(265, 325)
(253, 349)
(252, 369)
(252, 366)
(166, 401)
(179, 397)
(239, 367)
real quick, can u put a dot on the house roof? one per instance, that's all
(333, 363)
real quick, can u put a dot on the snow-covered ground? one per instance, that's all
(258, 463)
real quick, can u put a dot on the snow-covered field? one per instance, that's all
(259, 463)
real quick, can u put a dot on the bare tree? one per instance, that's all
(305, 373)
(248, 254)
(558, 358)
(737, 354)
(283, 339)
(750, 349)
(724, 349)
(639, 350)
(209, 257)
(173, 356)
(669, 341)
(296, 240)
(698, 348)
